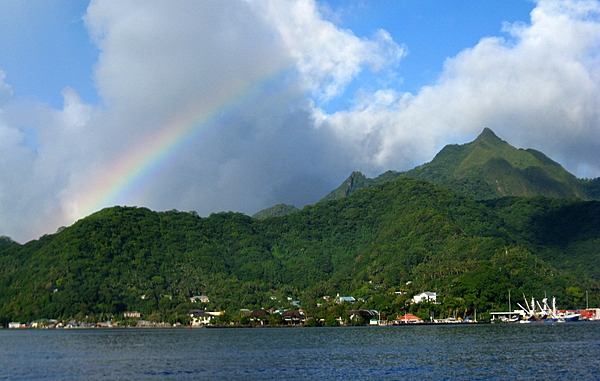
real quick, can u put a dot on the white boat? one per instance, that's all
(568, 316)
(535, 312)
(544, 313)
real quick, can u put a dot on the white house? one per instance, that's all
(200, 298)
(344, 299)
(426, 296)
(200, 318)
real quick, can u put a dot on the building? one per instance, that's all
(344, 299)
(408, 319)
(200, 318)
(292, 317)
(259, 315)
(426, 296)
(365, 315)
(199, 298)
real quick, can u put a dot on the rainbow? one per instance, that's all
(133, 169)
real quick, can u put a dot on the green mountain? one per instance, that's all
(381, 245)
(358, 181)
(488, 168)
(275, 211)
(381, 240)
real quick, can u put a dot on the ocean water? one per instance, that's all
(444, 352)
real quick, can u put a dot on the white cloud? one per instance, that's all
(538, 89)
(39, 152)
(6, 92)
(327, 57)
(158, 55)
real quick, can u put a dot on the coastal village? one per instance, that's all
(528, 311)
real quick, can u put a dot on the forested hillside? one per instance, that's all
(275, 211)
(381, 244)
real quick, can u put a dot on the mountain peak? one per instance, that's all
(488, 135)
(486, 168)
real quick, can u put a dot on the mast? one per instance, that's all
(539, 306)
(526, 303)
(587, 306)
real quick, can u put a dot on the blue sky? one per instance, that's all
(45, 48)
(431, 30)
(282, 99)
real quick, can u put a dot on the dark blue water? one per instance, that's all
(452, 352)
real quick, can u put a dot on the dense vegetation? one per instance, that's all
(275, 211)
(381, 244)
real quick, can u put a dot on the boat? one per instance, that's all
(568, 316)
(536, 312)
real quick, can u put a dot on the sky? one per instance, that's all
(239, 105)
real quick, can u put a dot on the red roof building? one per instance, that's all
(408, 319)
